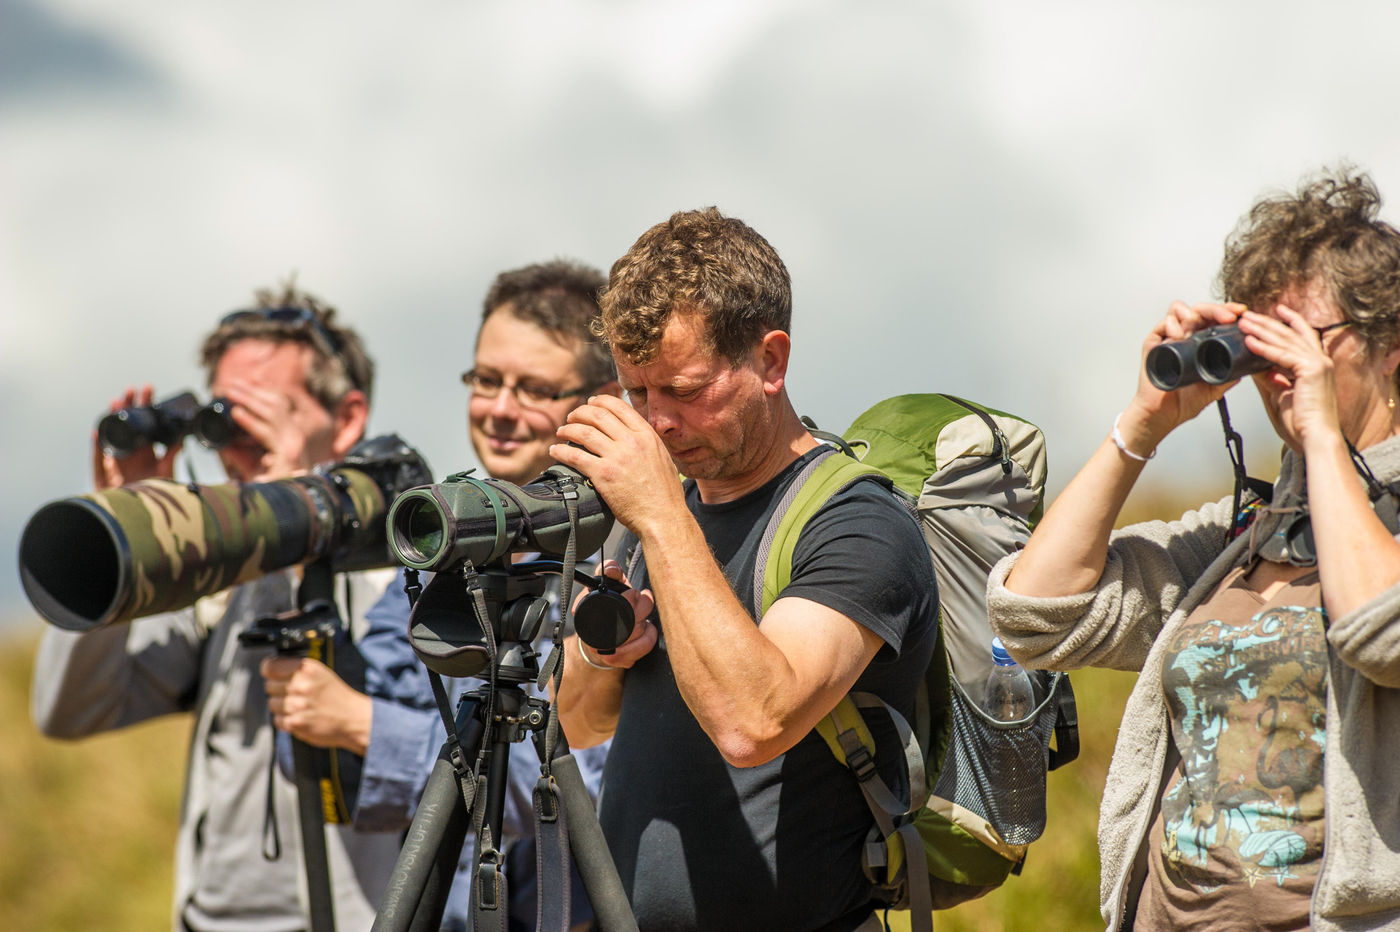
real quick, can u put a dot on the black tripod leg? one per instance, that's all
(439, 845)
(590, 851)
(490, 889)
(416, 895)
(313, 836)
(417, 892)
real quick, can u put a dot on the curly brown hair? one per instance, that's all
(1326, 235)
(336, 369)
(561, 298)
(700, 262)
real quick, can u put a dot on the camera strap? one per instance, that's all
(489, 903)
(552, 867)
(466, 777)
(553, 671)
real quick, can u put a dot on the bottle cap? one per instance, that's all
(999, 654)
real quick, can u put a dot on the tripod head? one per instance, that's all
(484, 622)
(467, 618)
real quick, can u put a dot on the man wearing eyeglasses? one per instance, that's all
(299, 386)
(536, 360)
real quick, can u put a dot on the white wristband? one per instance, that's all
(1122, 447)
(596, 666)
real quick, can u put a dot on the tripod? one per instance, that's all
(472, 623)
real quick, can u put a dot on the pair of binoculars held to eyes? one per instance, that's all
(133, 428)
(1216, 355)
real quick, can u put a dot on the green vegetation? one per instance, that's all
(87, 828)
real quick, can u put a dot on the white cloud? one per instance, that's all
(995, 199)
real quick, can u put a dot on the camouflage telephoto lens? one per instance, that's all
(158, 545)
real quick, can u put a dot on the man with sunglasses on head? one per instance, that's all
(298, 388)
(536, 360)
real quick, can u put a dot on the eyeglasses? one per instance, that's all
(530, 394)
(292, 317)
(1321, 330)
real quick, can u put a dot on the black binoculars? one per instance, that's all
(1216, 355)
(128, 430)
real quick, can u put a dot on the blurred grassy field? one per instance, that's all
(87, 829)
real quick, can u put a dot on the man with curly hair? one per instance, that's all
(722, 807)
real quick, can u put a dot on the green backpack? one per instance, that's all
(975, 479)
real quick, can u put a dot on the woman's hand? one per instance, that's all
(1302, 382)
(1153, 413)
(1067, 552)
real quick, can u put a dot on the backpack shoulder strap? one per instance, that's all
(824, 476)
(896, 847)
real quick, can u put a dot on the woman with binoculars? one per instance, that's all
(1251, 787)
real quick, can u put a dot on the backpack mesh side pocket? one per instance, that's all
(996, 770)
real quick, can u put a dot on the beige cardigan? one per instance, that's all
(1155, 574)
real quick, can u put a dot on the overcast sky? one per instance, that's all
(992, 198)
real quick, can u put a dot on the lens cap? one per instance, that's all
(604, 618)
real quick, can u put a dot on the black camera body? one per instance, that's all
(1215, 356)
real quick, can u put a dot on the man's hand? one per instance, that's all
(108, 472)
(590, 693)
(643, 637)
(626, 462)
(308, 700)
(282, 429)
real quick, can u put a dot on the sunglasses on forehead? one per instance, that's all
(292, 317)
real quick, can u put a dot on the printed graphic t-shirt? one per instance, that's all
(1240, 832)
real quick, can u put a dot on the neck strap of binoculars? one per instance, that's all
(1234, 446)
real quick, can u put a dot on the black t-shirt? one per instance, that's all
(702, 845)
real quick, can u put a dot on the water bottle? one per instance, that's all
(1008, 696)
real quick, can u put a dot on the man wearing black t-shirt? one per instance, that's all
(722, 807)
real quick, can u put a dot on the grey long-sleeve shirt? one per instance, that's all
(191, 661)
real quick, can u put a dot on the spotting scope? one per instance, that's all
(437, 527)
(158, 545)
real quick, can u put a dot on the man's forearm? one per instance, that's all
(589, 699)
(752, 695)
